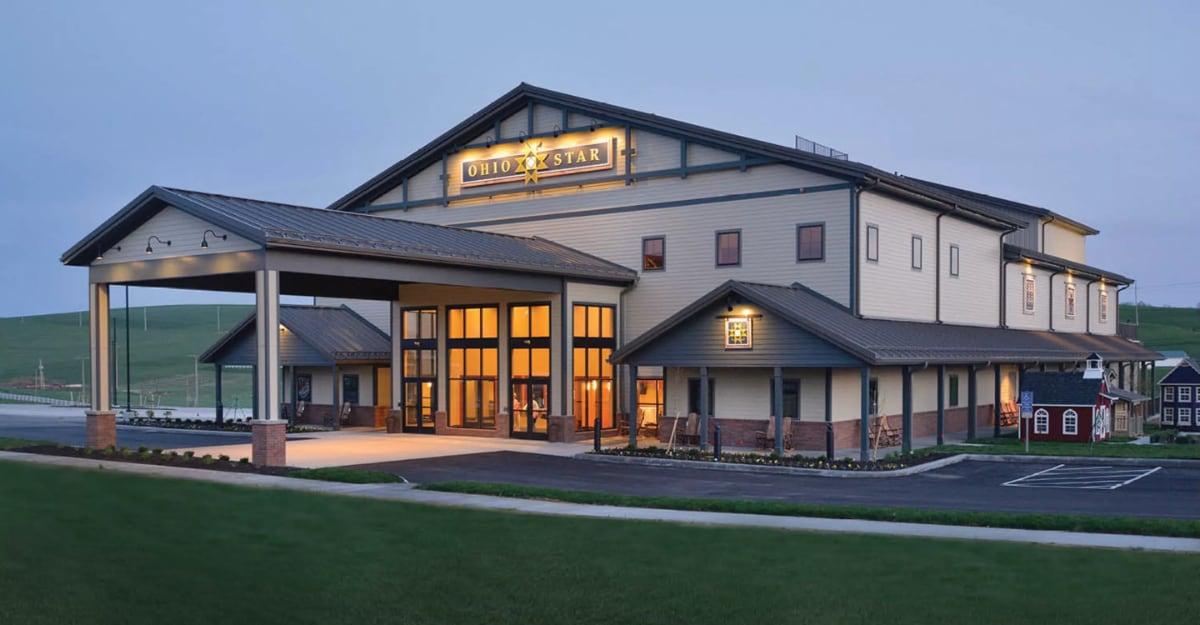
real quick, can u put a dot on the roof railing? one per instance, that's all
(812, 147)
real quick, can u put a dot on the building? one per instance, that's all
(335, 365)
(1180, 392)
(1068, 406)
(1171, 358)
(552, 263)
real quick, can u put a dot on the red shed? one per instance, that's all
(1069, 407)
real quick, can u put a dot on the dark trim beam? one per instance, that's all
(777, 408)
(633, 406)
(906, 421)
(864, 429)
(704, 408)
(972, 399)
(941, 404)
(829, 413)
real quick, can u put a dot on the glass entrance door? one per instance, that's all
(419, 357)
(529, 369)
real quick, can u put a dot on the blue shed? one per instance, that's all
(1180, 392)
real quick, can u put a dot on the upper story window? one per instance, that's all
(810, 242)
(918, 252)
(1168, 393)
(1103, 305)
(1069, 309)
(654, 253)
(1029, 299)
(954, 260)
(873, 243)
(1185, 394)
(729, 248)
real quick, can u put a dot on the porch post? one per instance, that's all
(704, 407)
(972, 400)
(1120, 375)
(633, 406)
(777, 406)
(335, 398)
(220, 406)
(941, 404)
(906, 420)
(864, 427)
(996, 401)
(1153, 386)
(268, 433)
(394, 411)
(101, 427)
(829, 413)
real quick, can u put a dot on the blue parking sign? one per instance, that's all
(1026, 402)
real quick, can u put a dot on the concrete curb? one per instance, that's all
(773, 470)
(406, 493)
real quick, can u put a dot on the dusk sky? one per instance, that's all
(1091, 108)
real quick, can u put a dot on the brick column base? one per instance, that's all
(560, 428)
(268, 442)
(101, 429)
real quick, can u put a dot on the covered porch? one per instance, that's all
(469, 348)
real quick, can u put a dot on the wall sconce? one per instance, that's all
(204, 239)
(592, 126)
(100, 255)
(154, 237)
(557, 130)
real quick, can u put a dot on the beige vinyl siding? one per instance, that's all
(183, 231)
(704, 155)
(1062, 323)
(890, 288)
(1109, 326)
(1065, 242)
(655, 152)
(423, 185)
(847, 398)
(973, 296)
(515, 124)
(546, 118)
(322, 388)
(1015, 315)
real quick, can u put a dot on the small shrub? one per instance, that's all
(156, 451)
(189, 454)
(143, 449)
(243, 461)
(223, 458)
(207, 459)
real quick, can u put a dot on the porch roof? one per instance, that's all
(286, 226)
(316, 335)
(880, 342)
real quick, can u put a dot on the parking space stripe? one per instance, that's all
(1130, 481)
(1011, 482)
(1082, 478)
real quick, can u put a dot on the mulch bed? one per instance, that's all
(204, 425)
(148, 456)
(890, 463)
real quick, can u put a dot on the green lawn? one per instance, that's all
(160, 353)
(1010, 445)
(1163, 327)
(102, 547)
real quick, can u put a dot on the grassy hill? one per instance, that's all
(162, 339)
(1164, 327)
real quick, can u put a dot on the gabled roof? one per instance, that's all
(524, 93)
(1068, 388)
(1016, 252)
(999, 202)
(1186, 372)
(1126, 395)
(337, 333)
(287, 226)
(881, 342)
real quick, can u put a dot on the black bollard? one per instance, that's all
(717, 441)
(596, 434)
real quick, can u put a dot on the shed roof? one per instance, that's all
(334, 333)
(1061, 387)
(881, 342)
(1016, 252)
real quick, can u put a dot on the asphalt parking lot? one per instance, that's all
(972, 485)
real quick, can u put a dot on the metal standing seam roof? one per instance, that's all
(277, 225)
(1061, 387)
(337, 332)
(1016, 252)
(882, 342)
(1028, 209)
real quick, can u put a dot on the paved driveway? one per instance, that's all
(970, 485)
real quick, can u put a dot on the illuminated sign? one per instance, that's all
(739, 333)
(535, 162)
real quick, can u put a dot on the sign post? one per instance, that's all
(1026, 415)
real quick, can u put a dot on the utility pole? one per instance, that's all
(218, 318)
(83, 375)
(145, 326)
(1137, 307)
(196, 379)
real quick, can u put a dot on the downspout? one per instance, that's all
(1042, 235)
(1117, 305)
(1052, 299)
(630, 410)
(1004, 279)
(937, 283)
(1087, 325)
(855, 259)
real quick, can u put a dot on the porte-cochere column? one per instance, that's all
(101, 420)
(268, 433)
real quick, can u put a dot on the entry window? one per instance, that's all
(954, 260)
(304, 387)
(529, 350)
(810, 242)
(918, 252)
(418, 353)
(694, 395)
(873, 243)
(1103, 304)
(1069, 309)
(953, 390)
(593, 342)
(1070, 424)
(650, 400)
(1041, 421)
(350, 388)
(729, 248)
(791, 398)
(654, 253)
(472, 346)
(1029, 302)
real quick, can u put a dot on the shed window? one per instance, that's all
(1168, 415)
(873, 243)
(729, 248)
(1029, 301)
(954, 260)
(1185, 416)
(654, 253)
(1070, 424)
(810, 242)
(953, 390)
(1185, 394)
(1168, 393)
(918, 252)
(1041, 421)
(1070, 299)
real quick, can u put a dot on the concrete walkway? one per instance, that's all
(406, 493)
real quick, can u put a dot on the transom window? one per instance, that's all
(810, 242)
(729, 248)
(1070, 299)
(918, 251)
(1041, 421)
(654, 253)
(1029, 301)
(954, 260)
(593, 342)
(1070, 424)
(873, 243)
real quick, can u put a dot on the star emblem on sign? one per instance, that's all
(531, 162)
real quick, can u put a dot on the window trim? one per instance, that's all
(1184, 413)
(1070, 300)
(1168, 392)
(1168, 414)
(653, 237)
(1029, 296)
(1185, 394)
(1041, 421)
(872, 258)
(1074, 416)
(717, 248)
(955, 260)
(815, 224)
(917, 252)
